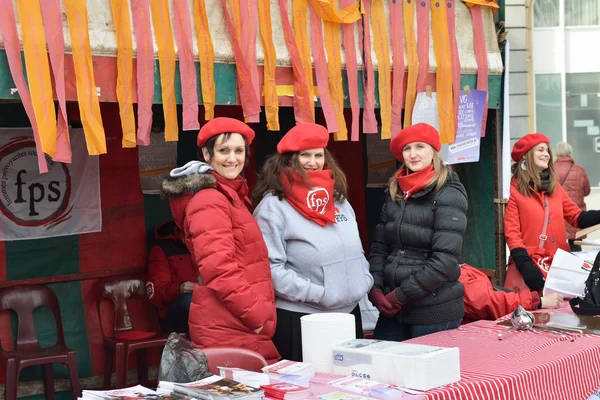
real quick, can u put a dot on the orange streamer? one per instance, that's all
(413, 63)
(380, 42)
(206, 55)
(270, 91)
(334, 69)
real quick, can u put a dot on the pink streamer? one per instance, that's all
(52, 17)
(423, 43)
(397, 22)
(187, 68)
(481, 57)
(8, 29)
(321, 71)
(145, 68)
(368, 75)
(249, 11)
(455, 60)
(352, 71)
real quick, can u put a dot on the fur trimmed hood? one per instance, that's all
(190, 184)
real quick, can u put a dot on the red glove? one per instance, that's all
(393, 300)
(380, 302)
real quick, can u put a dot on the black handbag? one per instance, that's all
(589, 304)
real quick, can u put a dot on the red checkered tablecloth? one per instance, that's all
(524, 365)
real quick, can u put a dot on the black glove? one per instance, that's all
(531, 274)
(588, 218)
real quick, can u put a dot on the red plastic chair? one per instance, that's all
(125, 339)
(23, 300)
(233, 357)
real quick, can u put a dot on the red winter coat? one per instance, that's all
(524, 219)
(482, 302)
(574, 180)
(169, 264)
(236, 296)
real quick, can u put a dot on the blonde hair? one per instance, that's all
(564, 149)
(441, 175)
(530, 175)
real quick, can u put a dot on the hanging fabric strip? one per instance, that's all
(140, 10)
(249, 26)
(302, 93)
(166, 60)
(368, 75)
(206, 55)
(334, 68)
(398, 64)
(380, 38)
(412, 57)
(89, 107)
(300, 25)
(321, 71)
(187, 68)
(8, 29)
(38, 72)
(328, 12)
(423, 43)
(52, 16)
(269, 83)
(443, 76)
(456, 68)
(120, 12)
(250, 104)
(352, 71)
(481, 57)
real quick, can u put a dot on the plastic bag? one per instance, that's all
(181, 362)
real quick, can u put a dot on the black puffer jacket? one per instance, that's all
(416, 249)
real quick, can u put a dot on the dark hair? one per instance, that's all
(210, 146)
(269, 178)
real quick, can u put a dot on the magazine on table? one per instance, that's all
(132, 393)
(221, 389)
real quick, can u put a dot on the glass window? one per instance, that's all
(582, 12)
(548, 108)
(545, 13)
(583, 121)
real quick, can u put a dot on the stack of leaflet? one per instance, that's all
(408, 365)
(132, 393)
(212, 388)
(293, 372)
(285, 391)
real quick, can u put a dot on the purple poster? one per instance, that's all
(468, 136)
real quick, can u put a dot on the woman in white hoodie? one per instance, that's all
(317, 260)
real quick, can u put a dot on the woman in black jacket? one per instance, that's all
(414, 255)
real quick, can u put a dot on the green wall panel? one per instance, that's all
(42, 257)
(156, 211)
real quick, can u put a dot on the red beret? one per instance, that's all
(416, 133)
(525, 144)
(304, 137)
(220, 125)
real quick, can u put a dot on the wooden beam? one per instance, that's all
(74, 277)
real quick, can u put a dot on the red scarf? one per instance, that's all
(413, 183)
(315, 203)
(239, 185)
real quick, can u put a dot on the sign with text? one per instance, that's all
(63, 201)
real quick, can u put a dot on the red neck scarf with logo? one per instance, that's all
(315, 203)
(414, 182)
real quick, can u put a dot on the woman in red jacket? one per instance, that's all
(234, 304)
(535, 213)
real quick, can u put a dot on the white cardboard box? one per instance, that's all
(414, 366)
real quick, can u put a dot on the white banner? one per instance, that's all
(64, 201)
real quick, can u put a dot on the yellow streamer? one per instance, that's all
(269, 91)
(38, 72)
(380, 42)
(300, 24)
(166, 58)
(443, 76)
(413, 61)
(331, 35)
(89, 106)
(485, 3)
(120, 12)
(328, 12)
(206, 55)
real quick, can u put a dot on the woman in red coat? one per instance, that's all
(234, 303)
(534, 193)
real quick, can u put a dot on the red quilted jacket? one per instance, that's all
(236, 296)
(574, 180)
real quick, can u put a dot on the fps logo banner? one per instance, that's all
(64, 201)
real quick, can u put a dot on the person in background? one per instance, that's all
(317, 260)
(234, 304)
(535, 214)
(416, 246)
(171, 278)
(574, 180)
